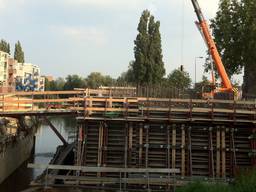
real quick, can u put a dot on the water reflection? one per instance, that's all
(45, 147)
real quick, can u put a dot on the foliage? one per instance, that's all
(203, 187)
(126, 77)
(179, 79)
(18, 53)
(234, 30)
(148, 67)
(55, 85)
(74, 81)
(95, 80)
(244, 183)
(4, 46)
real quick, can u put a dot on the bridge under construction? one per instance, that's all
(131, 139)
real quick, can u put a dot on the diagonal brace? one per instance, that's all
(55, 131)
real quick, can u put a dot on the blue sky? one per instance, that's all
(81, 36)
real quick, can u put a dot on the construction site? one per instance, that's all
(144, 138)
(128, 141)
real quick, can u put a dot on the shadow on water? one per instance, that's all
(45, 147)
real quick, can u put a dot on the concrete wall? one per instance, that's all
(14, 154)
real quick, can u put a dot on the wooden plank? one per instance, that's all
(223, 152)
(173, 146)
(130, 146)
(102, 169)
(183, 155)
(140, 144)
(218, 152)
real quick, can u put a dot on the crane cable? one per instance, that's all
(182, 32)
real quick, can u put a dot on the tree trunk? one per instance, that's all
(249, 85)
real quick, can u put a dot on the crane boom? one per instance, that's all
(227, 86)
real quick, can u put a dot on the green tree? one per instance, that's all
(74, 81)
(96, 79)
(148, 67)
(18, 53)
(60, 83)
(127, 78)
(179, 79)
(50, 85)
(4, 46)
(234, 30)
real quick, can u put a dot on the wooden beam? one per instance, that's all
(183, 152)
(223, 152)
(101, 169)
(218, 152)
(173, 146)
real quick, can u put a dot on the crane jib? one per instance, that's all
(198, 11)
(212, 48)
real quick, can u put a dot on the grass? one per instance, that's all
(244, 183)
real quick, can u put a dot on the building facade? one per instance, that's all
(19, 76)
(7, 80)
(28, 77)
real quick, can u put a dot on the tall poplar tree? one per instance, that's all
(5, 47)
(148, 67)
(18, 53)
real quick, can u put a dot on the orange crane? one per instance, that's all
(227, 87)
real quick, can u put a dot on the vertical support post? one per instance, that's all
(3, 106)
(105, 143)
(85, 106)
(140, 144)
(223, 151)
(32, 107)
(190, 151)
(90, 106)
(168, 153)
(147, 127)
(218, 152)
(79, 147)
(130, 143)
(183, 158)
(173, 146)
(211, 157)
(18, 102)
(85, 143)
(147, 145)
(126, 151)
(100, 144)
(233, 153)
(110, 102)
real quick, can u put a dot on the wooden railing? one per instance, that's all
(96, 103)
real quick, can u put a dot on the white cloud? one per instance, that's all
(10, 5)
(2, 4)
(152, 8)
(89, 35)
(209, 7)
(108, 3)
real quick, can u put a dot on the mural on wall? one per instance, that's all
(29, 83)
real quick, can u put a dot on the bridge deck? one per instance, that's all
(202, 138)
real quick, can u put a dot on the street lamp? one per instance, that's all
(196, 58)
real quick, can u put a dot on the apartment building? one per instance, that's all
(7, 80)
(4, 68)
(28, 77)
(19, 76)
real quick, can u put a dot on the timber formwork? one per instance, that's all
(212, 140)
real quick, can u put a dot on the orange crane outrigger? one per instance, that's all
(227, 86)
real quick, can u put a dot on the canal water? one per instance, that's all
(45, 147)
